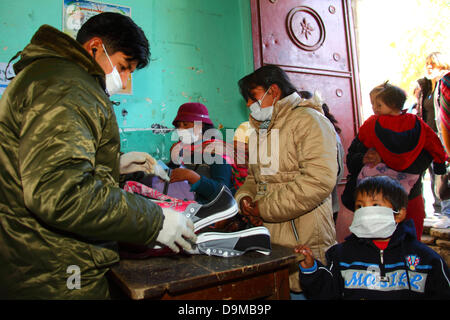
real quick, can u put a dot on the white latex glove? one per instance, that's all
(136, 161)
(176, 229)
(160, 172)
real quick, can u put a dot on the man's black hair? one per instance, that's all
(119, 33)
(392, 96)
(265, 77)
(390, 189)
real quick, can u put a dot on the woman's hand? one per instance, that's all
(249, 208)
(181, 174)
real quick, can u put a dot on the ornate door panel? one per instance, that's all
(332, 90)
(313, 41)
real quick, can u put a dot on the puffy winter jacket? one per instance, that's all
(293, 188)
(61, 209)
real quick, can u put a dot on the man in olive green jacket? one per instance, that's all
(61, 208)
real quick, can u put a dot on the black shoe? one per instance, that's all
(233, 244)
(223, 206)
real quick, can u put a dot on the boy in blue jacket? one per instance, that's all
(382, 259)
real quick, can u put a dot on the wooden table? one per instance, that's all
(199, 277)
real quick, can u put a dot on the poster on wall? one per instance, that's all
(77, 12)
(6, 73)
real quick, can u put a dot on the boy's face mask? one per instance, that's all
(113, 80)
(375, 222)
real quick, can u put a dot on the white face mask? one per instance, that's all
(187, 136)
(373, 222)
(113, 80)
(258, 113)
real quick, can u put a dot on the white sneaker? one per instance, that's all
(233, 244)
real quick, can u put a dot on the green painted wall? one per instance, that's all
(200, 49)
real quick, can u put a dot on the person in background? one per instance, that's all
(200, 157)
(241, 141)
(382, 258)
(413, 107)
(290, 192)
(340, 161)
(437, 64)
(396, 142)
(61, 208)
(442, 101)
(340, 150)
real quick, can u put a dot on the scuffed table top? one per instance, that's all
(153, 277)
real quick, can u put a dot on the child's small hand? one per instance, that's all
(371, 158)
(309, 257)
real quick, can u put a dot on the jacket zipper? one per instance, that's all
(383, 276)
(294, 229)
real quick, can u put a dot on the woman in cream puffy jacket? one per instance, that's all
(292, 165)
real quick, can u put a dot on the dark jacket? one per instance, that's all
(354, 161)
(426, 102)
(357, 269)
(60, 202)
(213, 167)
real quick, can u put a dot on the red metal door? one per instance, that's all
(313, 41)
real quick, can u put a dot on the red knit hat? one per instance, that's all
(193, 111)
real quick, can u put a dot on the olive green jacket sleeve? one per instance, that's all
(67, 183)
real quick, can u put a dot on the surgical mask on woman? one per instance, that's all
(375, 222)
(187, 136)
(113, 80)
(258, 113)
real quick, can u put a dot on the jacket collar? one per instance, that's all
(49, 42)
(283, 107)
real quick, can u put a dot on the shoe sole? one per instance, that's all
(211, 236)
(229, 213)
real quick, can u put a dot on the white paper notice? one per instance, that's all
(4, 76)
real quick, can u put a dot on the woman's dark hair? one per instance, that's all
(392, 96)
(305, 94)
(390, 189)
(119, 33)
(326, 111)
(265, 77)
(212, 132)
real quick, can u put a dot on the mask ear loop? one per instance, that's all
(260, 101)
(107, 55)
